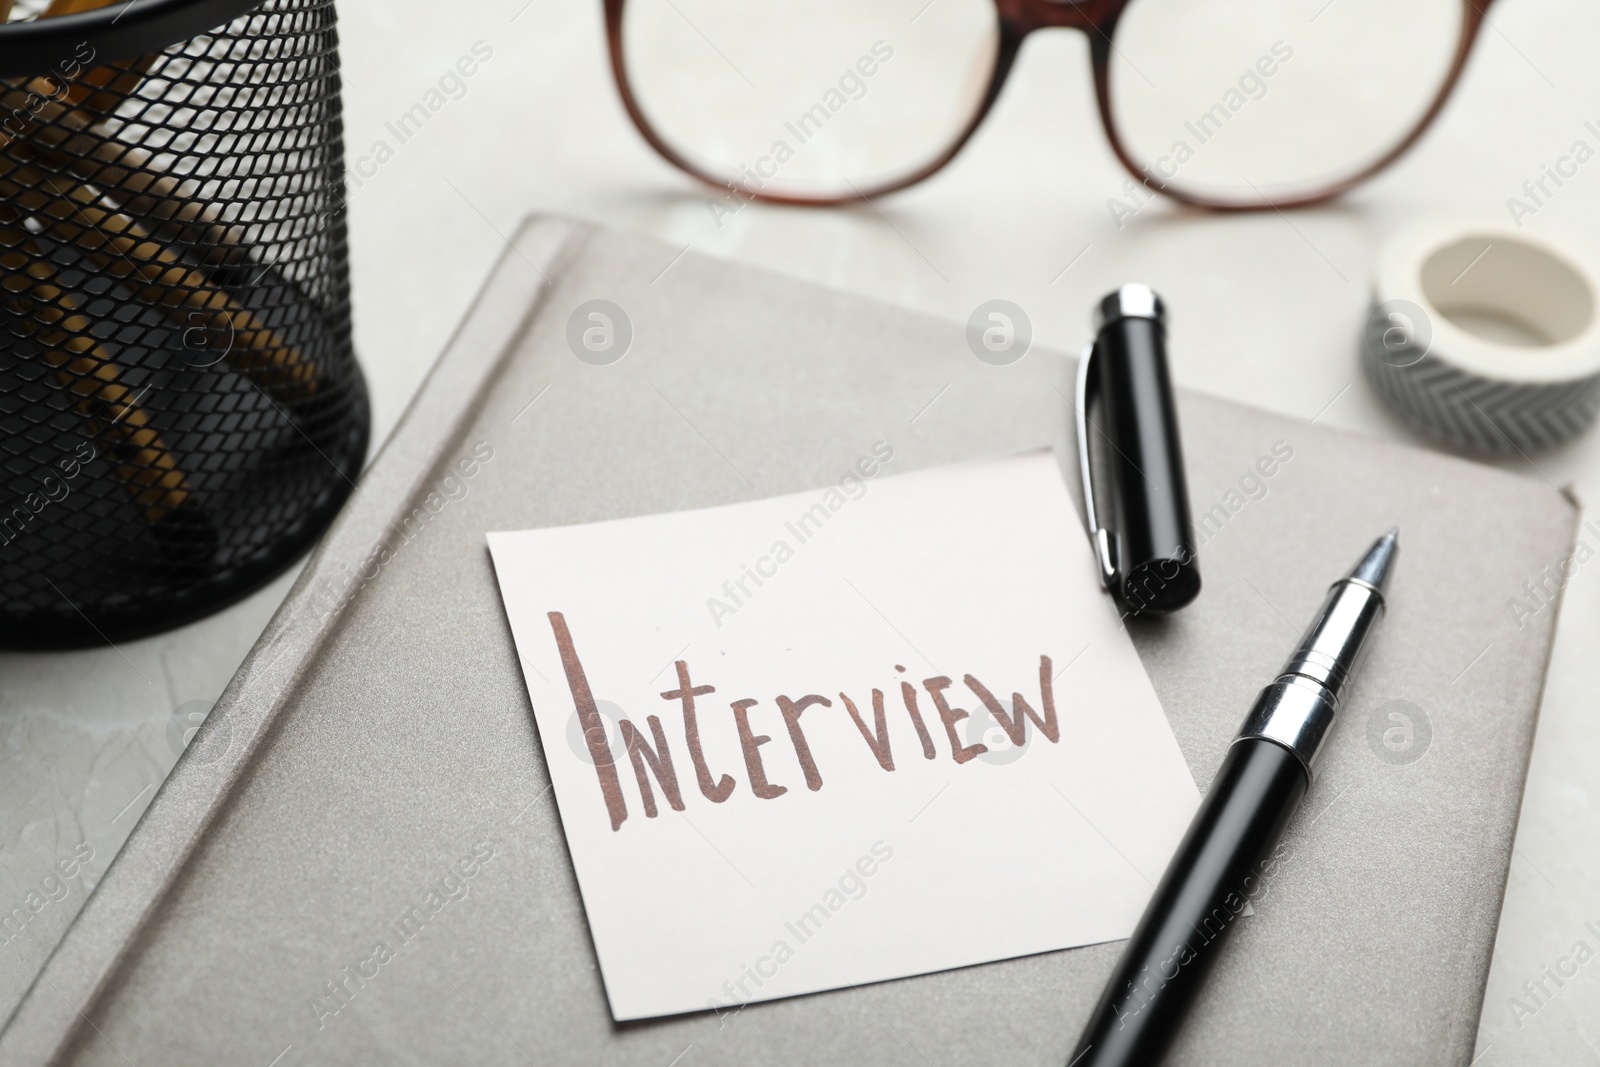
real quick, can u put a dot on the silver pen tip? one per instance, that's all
(1376, 566)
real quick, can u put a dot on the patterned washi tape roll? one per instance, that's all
(1484, 337)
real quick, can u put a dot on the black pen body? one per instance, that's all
(1215, 872)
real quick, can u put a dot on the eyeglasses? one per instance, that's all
(1225, 104)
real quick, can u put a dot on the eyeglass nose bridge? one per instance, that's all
(1094, 17)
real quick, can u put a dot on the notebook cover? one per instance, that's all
(380, 730)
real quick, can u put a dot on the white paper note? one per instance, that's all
(779, 847)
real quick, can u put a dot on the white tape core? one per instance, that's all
(1507, 291)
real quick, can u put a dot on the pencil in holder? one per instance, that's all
(181, 411)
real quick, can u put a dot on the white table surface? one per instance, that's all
(1265, 309)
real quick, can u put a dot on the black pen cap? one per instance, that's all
(1142, 530)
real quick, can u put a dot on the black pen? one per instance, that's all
(1218, 867)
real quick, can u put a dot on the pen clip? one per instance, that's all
(1105, 554)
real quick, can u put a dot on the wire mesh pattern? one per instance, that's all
(180, 409)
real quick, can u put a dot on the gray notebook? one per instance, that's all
(380, 736)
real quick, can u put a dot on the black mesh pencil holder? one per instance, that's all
(181, 413)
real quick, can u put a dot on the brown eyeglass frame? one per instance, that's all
(1016, 19)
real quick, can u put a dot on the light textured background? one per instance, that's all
(1266, 309)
